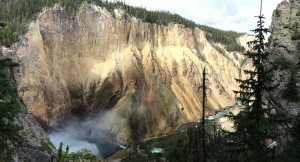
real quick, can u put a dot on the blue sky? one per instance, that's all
(236, 15)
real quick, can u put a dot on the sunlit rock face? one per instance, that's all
(145, 77)
(285, 52)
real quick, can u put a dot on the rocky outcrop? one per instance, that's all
(284, 46)
(33, 144)
(145, 77)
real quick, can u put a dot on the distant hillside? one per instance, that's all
(18, 13)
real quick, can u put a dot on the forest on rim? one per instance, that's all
(255, 126)
(19, 13)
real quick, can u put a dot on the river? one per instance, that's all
(80, 134)
(165, 143)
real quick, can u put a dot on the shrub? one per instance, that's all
(296, 36)
(47, 146)
(83, 155)
(282, 63)
(76, 92)
(291, 92)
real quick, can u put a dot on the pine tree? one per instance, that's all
(291, 151)
(62, 156)
(8, 108)
(256, 123)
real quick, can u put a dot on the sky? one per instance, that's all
(236, 15)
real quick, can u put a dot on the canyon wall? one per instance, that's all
(31, 142)
(144, 77)
(285, 55)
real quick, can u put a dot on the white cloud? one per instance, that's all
(236, 15)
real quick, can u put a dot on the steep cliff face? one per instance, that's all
(285, 49)
(145, 77)
(33, 144)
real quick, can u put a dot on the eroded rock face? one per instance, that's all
(285, 49)
(33, 144)
(146, 77)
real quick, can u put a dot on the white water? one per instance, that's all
(156, 150)
(74, 134)
(75, 143)
(219, 115)
(86, 133)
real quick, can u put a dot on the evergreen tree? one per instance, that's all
(256, 123)
(62, 156)
(18, 14)
(291, 151)
(8, 108)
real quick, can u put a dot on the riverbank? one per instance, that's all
(219, 117)
(166, 141)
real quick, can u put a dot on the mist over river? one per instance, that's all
(90, 133)
(85, 133)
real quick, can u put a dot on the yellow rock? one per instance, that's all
(145, 76)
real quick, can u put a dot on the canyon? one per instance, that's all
(144, 77)
(110, 74)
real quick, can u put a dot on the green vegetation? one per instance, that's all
(184, 144)
(255, 124)
(291, 151)
(188, 149)
(92, 92)
(291, 91)
(8, 107)
(227, 38)
(219, 49)
(183, 151)
(76, 92)
(298, 13)
(135, 157)
(296, 34)
(81, 155)
(282, 63)
(18, 14)
(165, 99)
(61, 155)
(47, 146)
(122, 154)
